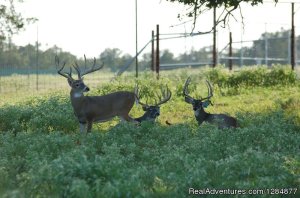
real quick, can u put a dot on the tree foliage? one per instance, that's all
(197, 7)
(114, 59)
(24, 58)
(218, 3)
(277, 44)
(11, 20)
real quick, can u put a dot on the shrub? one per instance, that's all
(249, 78)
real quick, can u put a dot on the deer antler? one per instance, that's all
(77, 68)
(138, 97)
(166, 94)
(66, 75)
(93, 69)
(210, 91)
(185, 89)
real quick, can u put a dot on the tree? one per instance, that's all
(113, 58)
(11, 21)
(203, 55)
(274, 45)
(197, 7)
(167, 57)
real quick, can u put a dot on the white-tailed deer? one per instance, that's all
(153, 111)
(89, 109)
(222, 120)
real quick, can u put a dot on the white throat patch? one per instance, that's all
(77, 95)
(196, 112)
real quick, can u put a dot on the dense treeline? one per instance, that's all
(26, 58)
(278, 47)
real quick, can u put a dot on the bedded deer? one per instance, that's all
(221, 120)
(153, 111)
(90, 109)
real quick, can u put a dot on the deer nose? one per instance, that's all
(87, 89)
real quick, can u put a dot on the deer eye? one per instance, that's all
(77, 85)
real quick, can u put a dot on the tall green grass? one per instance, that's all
(42, 153)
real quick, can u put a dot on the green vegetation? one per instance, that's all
(42, 153)
(11, 20)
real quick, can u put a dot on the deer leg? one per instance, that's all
(127, 118)
(122, 119)
(89, 126)
(82, 127)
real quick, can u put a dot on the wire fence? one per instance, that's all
(20, 82)
(194, 51)
(267, 51)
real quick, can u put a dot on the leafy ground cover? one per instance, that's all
(42, 153)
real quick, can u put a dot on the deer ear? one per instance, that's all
(70, 81)
(188, 100)
(145, 108)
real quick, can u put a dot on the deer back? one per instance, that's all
(222, 120)
(101, 108)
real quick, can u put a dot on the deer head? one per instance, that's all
(77, 86)
(153, 111)
(198, 104)
(222, 120)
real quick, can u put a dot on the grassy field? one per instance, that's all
(42, 153)
(33, 84)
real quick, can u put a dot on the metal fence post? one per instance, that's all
(214, 40)
(152, 51)
(157, 51)
(293, 40)
(230, 52)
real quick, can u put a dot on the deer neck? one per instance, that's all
(201, 115)
(76, 95)
(77, 99)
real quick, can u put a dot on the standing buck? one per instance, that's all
(153, 111)
(89, 109)
(222, 120)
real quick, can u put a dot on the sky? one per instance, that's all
(90, 26)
